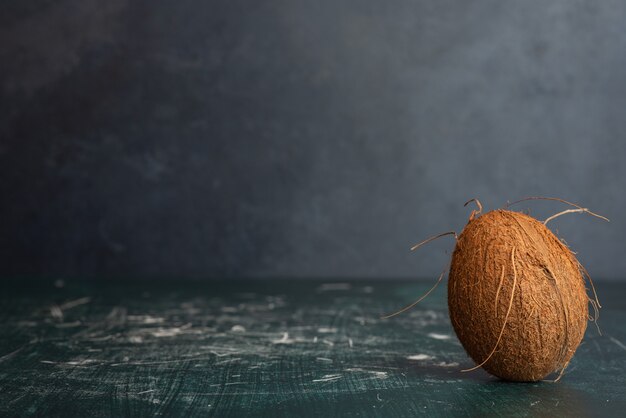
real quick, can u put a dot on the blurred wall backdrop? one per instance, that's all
(301, 139)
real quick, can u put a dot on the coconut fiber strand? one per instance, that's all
(516, 296)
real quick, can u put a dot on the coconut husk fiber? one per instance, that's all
(516, 296)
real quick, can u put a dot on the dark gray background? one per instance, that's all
(297, 139)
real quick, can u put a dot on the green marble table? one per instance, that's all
(273, 348)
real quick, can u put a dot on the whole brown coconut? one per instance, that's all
(516, 296)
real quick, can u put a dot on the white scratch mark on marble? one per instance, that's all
(328, 378)
(83, 362)
(11, 354)
(229, 384)
(230, 360)
(618, 342)
(74, 303)
(145, 391)
(378, 375)
(374, 373)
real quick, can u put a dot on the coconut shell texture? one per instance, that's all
(548, 305)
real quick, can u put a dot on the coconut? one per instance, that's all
(516, 293)
(516, 296)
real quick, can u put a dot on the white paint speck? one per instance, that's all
(350, 342)
(420, 357)
(360, 320)
(439, 336)
(238, 328)
(284, 339)
(145, 319)
(170, 332)
(327, 330)
(444, 364)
